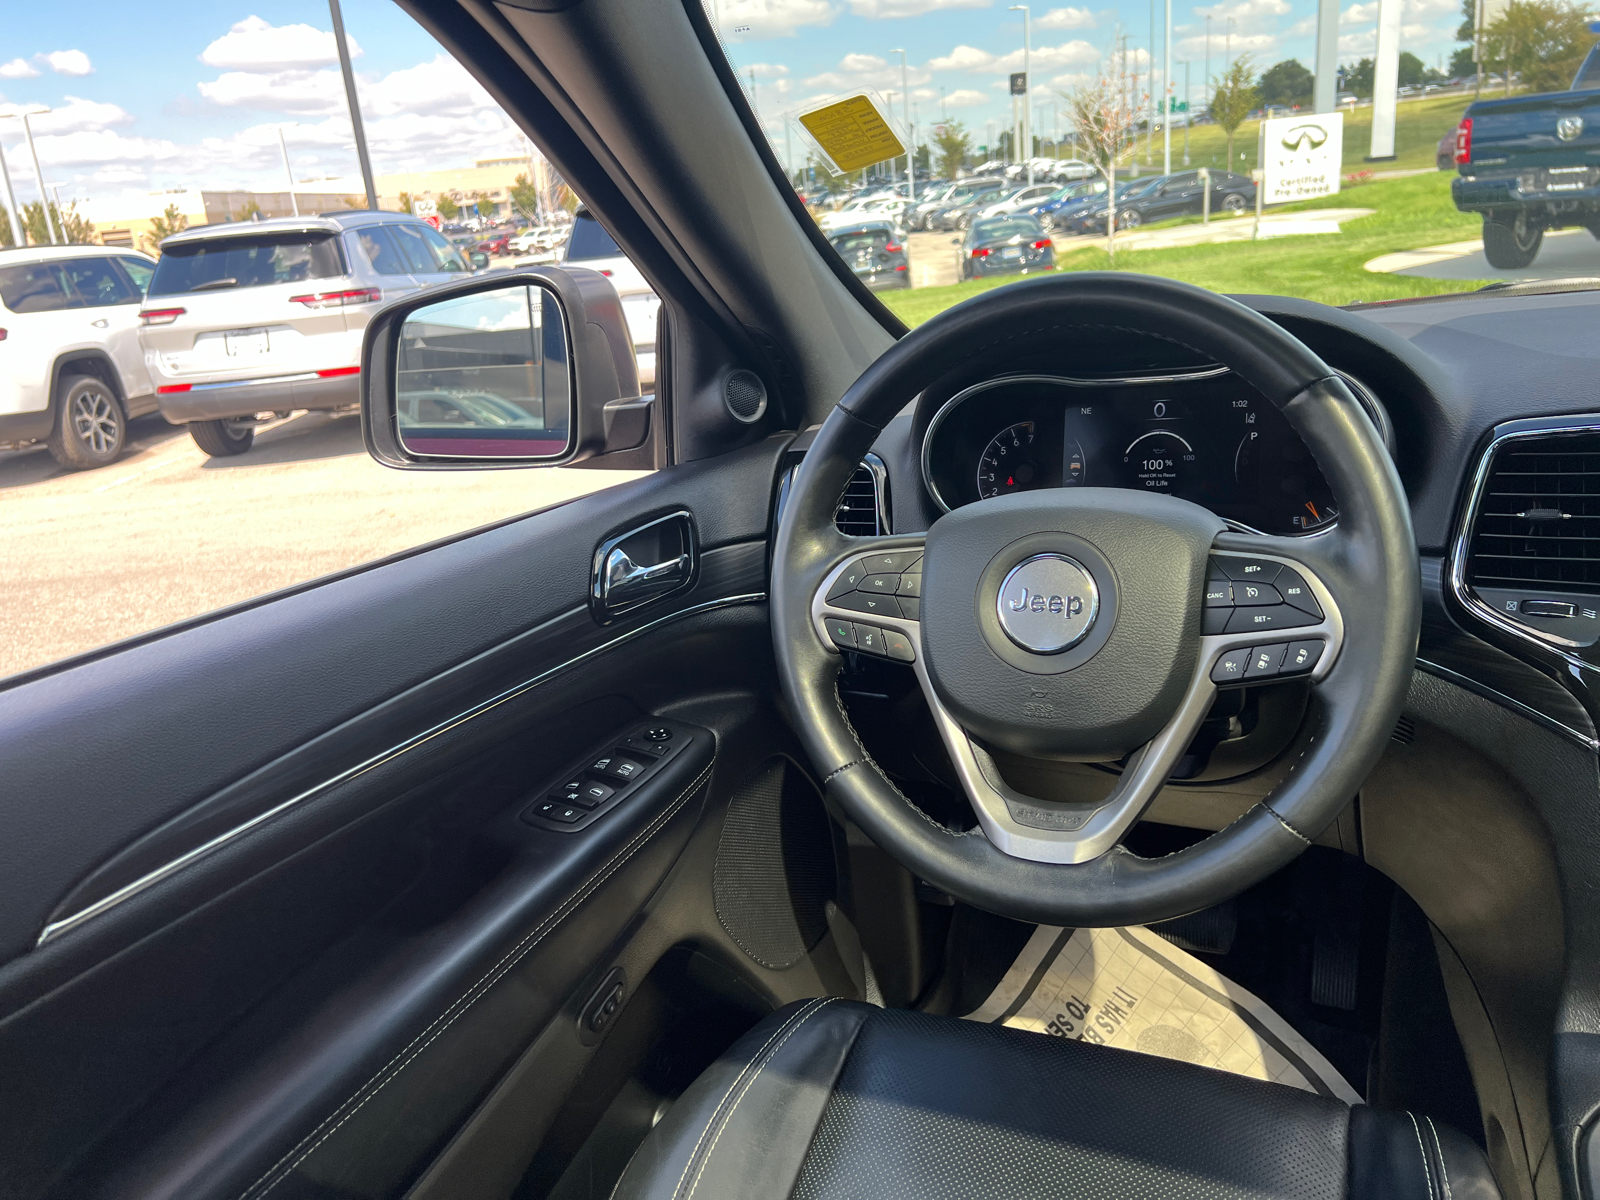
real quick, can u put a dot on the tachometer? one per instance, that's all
(1008, 463)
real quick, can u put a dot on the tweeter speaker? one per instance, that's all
(745, 396)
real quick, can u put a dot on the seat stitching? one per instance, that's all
(1439, 1146)
(752, 1065)
(726, 1121)
(469, 997)
(1423, 1150)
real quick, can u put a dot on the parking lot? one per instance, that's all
(167, 533)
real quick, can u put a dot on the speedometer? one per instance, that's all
(1008, 463)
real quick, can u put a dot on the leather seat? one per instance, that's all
(831, 1099)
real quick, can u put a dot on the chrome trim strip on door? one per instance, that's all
(57, 928)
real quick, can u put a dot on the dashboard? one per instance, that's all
(1199, 435)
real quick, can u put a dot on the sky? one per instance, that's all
(804, 50)
(193, 93)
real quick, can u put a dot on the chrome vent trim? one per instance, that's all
(864, 510)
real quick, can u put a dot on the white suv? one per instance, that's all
(590, 245)
(248, 321)
(71, 372)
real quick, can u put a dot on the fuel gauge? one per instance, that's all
(1291, 493)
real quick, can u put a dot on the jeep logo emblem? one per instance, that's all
(1048, 603)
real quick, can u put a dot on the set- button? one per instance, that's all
(870, 639)
(881, 585)
(1247, 594)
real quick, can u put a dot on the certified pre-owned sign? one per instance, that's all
(1300, 157)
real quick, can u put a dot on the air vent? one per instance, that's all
(1538, 519)
(864, 510)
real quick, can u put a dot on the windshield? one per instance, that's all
(253, 260)
(1445, 161)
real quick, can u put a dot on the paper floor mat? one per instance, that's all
(1132, 989)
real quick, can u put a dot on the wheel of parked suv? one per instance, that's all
(1511, 247)
(1233, 203)
(1068, 624)
(222, 438)
(90, 427)
(1131, 219)
(964, 221)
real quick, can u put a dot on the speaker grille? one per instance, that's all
(745, 395)
(774, 872)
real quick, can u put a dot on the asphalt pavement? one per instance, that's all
(167, 533)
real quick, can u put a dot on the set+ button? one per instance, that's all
(881, 585)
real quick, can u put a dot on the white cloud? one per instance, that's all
(1065, 18)
(18, 68)
(1194, 48)
(865, 70)
(963, 58)
(1043, 58)
(256, 45)
(965, 98)
(77, 115)
(909, 8)
(66, 62)
(1243, 12)
(753, 20)
(764, 70)
(303, 92)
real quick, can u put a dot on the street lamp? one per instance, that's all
(1188, 99)
(1206, 86)
(1027, 138)
(911, 149)
(38, 175)
(11, 202)
(287, 173)
(343, 46)
(1166, 95)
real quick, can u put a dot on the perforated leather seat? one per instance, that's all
(831, 1099)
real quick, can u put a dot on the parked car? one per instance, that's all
(1016, 245)
(1018, 200)
(1088, 214)
(960, 213)
(71, 371)
(950, 195)
(495, 246)
(1444, 154)
(1527, 165)
(1068, 197)
(887, 206)
(244, 322)
(590, 245)
(874, 250)
(1178, 195)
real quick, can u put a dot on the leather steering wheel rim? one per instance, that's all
(1368, 563)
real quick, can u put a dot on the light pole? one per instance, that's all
(1227, 57)
(17, 238)
(1166, 94)
(911, 148)
(1206, 86)
(287, 173)
(1027, 83)
(355, 105)
(1150, 91)
(1188, 99)
(38, 175)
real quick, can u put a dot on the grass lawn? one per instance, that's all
(1412, 212)
(1418, 125)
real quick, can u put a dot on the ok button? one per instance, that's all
(1256, 593)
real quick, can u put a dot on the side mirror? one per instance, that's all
(527, 368)
(480, 260)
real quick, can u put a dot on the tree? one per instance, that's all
(1233, 98)
(1410, 70)
(1287, 83)
(954, 143)
(525, 198)
(168, 223)
(407, 202)
(1358, 79)
(249, 212)
(76, 230)
(5, 226)
(1102, 111)
(449, 210)
(1543, 41)
(1461, 63)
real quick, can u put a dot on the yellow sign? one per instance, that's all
(852, 133)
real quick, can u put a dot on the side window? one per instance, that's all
(98, 282)
(378, 245)
(419, 255)
(138, 272)
(448, 256)
(36, 288)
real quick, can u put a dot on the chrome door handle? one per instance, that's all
(628, 582)
(101, 323)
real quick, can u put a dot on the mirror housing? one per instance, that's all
(606, 414)
(480, 260)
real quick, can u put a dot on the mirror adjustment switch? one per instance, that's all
(848, 581)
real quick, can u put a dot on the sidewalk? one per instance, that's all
(1566, 254)
(1223, 229)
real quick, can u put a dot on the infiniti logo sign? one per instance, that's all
(1048, 603)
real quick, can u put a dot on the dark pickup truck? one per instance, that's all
(1531, 163)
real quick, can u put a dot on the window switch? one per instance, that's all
(595, 794)
(624, 769)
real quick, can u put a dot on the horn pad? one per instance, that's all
(1065, 623)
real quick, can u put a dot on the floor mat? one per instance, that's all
(1134, 990)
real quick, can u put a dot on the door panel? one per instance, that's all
(273, 826)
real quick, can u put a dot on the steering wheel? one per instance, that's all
(1073, 623)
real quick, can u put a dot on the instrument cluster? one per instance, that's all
(1204, 437)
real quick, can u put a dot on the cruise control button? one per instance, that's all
(1302, 657)
(1219, 592)
(893, 562)
(870, 640)
(866, 602)
(1230, 667)
(911, 584)
(1276, 616)
(596, 793)
(1294, 591)
(1247, 570)
(847, 581)
(898, 646)
(1215, 620)
(1255, 593)
(1265, 660)
(843, 633)
(883, 585)
(911, 608)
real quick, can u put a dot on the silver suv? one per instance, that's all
(246, 322)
